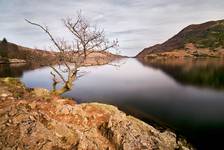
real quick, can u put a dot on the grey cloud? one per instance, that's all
(136, 23)
(130, 31)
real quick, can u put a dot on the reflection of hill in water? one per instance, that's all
(200, 72)
(16, 70)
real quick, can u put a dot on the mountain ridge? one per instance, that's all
(205, 33)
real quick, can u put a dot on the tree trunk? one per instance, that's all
(67, 87)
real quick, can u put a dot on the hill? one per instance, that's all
(206, 40)
(22, 54)
(13, 51)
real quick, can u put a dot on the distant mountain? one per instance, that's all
(13, 51)
(209, 35)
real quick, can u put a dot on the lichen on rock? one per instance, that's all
(36, 122)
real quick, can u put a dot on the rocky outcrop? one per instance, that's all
(33, 121)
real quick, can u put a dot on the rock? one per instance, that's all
(40, 92)
(31, 122)
(4, 95)
(81, 126)
(33, 105)
(17, 61)
(11, 61)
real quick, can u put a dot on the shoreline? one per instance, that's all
(12, 61)
(97, 122)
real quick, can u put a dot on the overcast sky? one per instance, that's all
(136, 23)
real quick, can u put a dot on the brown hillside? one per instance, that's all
(12, 51)
(206, 35)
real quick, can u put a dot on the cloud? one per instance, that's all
(136, 23)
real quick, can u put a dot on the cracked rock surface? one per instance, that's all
(31, 121)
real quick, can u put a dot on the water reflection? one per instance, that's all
(152, 91)
(17, 69)
(198, 72)
(13, 70)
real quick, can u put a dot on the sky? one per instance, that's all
(135, 23)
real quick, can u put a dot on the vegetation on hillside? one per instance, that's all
(4, 40)
(209, 35)
(12, 51)
(3, 44)
(211, 38)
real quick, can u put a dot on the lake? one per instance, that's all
(186, 96)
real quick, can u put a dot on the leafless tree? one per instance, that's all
(72, 55)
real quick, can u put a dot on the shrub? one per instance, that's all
(4, 40)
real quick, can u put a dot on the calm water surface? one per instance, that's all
(186, 97)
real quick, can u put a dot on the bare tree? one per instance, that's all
(72, 55)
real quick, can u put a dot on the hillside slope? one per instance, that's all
(207, 36)
(12, 51)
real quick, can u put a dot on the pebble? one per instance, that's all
(32, 118)
(4, 95)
